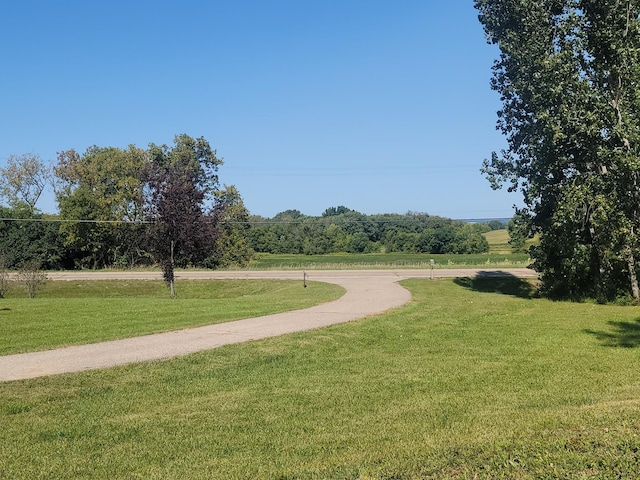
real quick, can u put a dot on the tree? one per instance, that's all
(102, 190)
(25, 236)
(182, 181)
(568, 76)
(23, 180)
(4, 274)
(333, 211)
(232, 246)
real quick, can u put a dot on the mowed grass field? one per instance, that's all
(77, 312)
(342, 261)
(499, 241)
(472, 379)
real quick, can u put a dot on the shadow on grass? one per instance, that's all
(623, 334)
(498, 282)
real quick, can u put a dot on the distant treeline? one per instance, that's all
(340, 229)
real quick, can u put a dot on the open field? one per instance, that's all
(348, 261)
(463, 382)
(499, 241)
(87, 311)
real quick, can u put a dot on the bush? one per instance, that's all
(32, 277)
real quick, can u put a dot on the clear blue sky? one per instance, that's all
(382, 106)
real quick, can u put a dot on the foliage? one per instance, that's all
(568, 78)
(232, 248)
(344, 230)
(102, 190)
(182, 181)
(23, 180)
(25, 236)
(333, 211)
(495, 224)
(125, 207)
(518, 228)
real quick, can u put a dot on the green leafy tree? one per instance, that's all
(568, 76)
(23, 180)
(27, 236)
(333, 211)
(101, 191)
(232, 246)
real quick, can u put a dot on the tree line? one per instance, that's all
(341, 229)
(164, 206)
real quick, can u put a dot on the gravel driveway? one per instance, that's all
(368, 292)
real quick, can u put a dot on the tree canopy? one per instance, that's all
(568, 77)
(344, 230)
(23, 180)
(181, 180)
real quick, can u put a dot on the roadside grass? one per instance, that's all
(78, 312)
(461, 383)
(344, 261)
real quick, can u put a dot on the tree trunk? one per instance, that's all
(171, 283)
(633, 278)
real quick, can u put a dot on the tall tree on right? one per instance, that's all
(568, 76)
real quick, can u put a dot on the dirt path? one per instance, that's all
(368, 292)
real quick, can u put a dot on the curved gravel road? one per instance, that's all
(368, 292)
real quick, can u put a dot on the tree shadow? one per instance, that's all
(498, 282)
(623, 334)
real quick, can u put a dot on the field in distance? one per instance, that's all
(500, 255)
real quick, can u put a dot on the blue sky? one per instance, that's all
(381, 106)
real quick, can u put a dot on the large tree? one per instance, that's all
(182, 181)
(568, 77)
(100, 196)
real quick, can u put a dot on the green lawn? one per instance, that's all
(266, 261)
(76, 312)
(460, 383)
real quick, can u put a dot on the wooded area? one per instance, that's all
(164, 206)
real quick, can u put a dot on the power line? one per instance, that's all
(308, 220)
(62, 220)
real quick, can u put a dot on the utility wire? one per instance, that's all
(226, 222)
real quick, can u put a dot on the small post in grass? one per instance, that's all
(304, 279)
(431, 263)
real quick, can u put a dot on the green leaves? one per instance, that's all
(568, 79)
